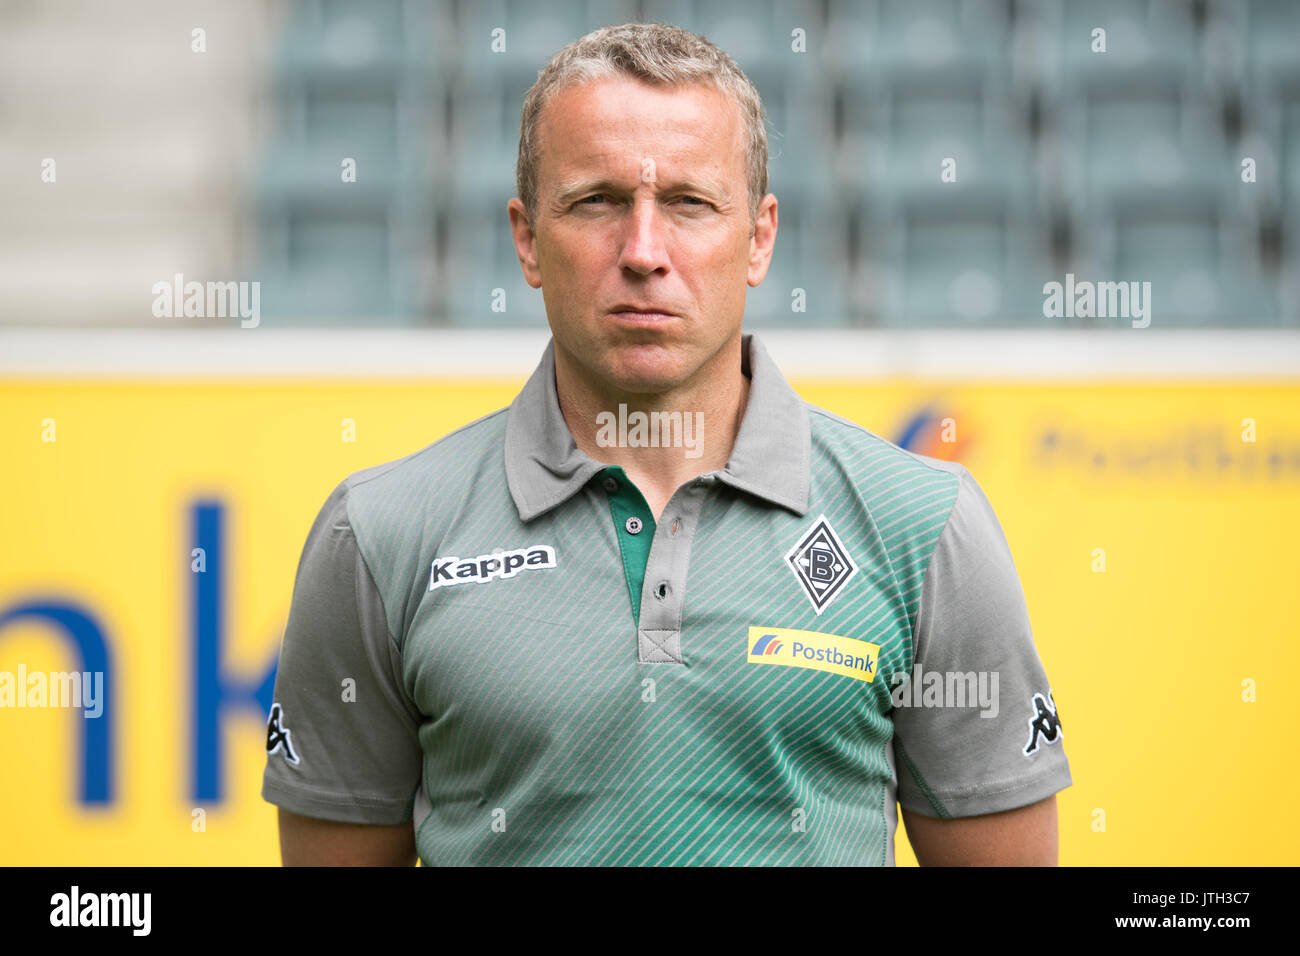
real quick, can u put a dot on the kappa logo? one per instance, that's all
(1045, 723)
(821, 564)
(277, 735)
(448, 572)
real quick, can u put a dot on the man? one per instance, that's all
(575, 638)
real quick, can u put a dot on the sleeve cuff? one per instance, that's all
(972, 803)
(341, 808)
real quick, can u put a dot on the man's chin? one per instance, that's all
(639, 365)
(645, 368)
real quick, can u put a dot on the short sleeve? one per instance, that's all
(977, 729)
(342, 741)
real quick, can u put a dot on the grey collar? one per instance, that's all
(771, 458)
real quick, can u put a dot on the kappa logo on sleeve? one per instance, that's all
(1045, 723)
(450, 571)
(277, 735)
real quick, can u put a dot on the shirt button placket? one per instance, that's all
(659, 633)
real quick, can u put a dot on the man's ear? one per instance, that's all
(525, 242)
(762, 240)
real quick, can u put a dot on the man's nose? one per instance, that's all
(644, 250)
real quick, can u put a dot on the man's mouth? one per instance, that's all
(641, 315)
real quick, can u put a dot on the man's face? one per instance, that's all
(643, 244)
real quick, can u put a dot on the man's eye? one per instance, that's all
(694, 200)
(598, 196)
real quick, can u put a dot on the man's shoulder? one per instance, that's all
(386, 504)
(909, 498)
(396, 511)
(861, 450)
(453, 458)
(914, 499)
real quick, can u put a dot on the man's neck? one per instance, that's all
(661, 440)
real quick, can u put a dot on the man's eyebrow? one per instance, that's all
(707, 187)
(570, 190)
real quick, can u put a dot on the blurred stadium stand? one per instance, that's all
(1117, 166)
(154, 147)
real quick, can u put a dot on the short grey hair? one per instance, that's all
(655, 53)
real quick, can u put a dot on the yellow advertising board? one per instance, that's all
(151, 531)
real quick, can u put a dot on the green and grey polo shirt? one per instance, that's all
(495, 639)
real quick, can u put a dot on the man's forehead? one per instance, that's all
(615, 124)
(627, 97)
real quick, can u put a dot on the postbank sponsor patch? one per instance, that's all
(787, 647)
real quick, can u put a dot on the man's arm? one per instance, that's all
(331, 756)
(977, 774)
(306, 841)
(1022, 837)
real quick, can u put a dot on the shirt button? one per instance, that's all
(611, 485)
(633, 525)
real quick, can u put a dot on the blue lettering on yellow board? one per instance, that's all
(216, 693)
(80, 628)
